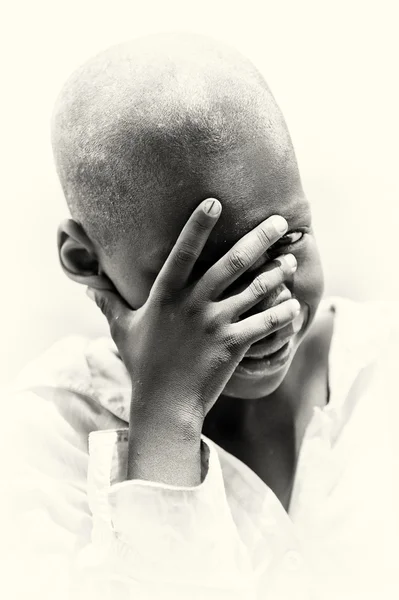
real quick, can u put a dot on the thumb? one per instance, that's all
(111, 305)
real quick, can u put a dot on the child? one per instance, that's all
(237, 436)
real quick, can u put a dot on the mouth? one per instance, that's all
(252, 365)
(270, 354)
(265, 348)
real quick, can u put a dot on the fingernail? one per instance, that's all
(291, 261)
(296, 325)
(296, 307)
(90, 294)
(212, 207)
(279, 223)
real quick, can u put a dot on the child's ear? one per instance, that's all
(78, 257)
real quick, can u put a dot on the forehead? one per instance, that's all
(253, 182)
(241, 212)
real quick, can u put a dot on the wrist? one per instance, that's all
(164, 445)
(180, 418)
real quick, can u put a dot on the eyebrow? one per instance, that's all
(300, 210)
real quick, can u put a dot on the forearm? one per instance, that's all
(164, 445)
(167, 540)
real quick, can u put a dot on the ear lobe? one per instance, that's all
(78, 257)
(77, 260)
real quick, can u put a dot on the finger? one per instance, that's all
(243, 255)
(265, 285)
(256, 327)
(189, 245)
(114, 308)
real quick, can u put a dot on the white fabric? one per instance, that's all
(73, 527)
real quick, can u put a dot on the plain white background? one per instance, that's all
(333, 67)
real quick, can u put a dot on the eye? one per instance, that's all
(293, 237)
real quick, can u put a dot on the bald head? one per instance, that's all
(147, 124)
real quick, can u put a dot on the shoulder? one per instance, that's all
(63, 364)
(77, 386)
(380, 323)
(85, 366)
(367, 325)
(368, 335)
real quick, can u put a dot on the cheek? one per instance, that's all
(135, 292)
(308, 281)
(132, 284)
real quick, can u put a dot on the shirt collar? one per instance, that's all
(357, 339)
(93, 367)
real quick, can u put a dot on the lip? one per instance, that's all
(260, 351)
(255, 367)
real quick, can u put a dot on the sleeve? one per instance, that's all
(154, 540)
(74, 528)
(45, 517)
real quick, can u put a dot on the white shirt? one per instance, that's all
(74, 527)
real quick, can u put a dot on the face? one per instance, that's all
(251, 188)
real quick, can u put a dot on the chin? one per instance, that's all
(253, 388)
(256, 380)
(254, 392)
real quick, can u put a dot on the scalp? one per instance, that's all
(151, 118)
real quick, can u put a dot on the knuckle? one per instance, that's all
(259, 287)
(213, 322)
(233, 344)
(200, 226)
(184, 255)
(192, 309)
(271, 319)
(281, 268)
(264, 236)
(238, 259)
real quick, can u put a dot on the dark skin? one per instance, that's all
(267, 434)
(260, 419)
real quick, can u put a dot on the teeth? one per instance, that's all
(257, 356)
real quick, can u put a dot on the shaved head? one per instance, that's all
(140, 126)
(145, 131)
